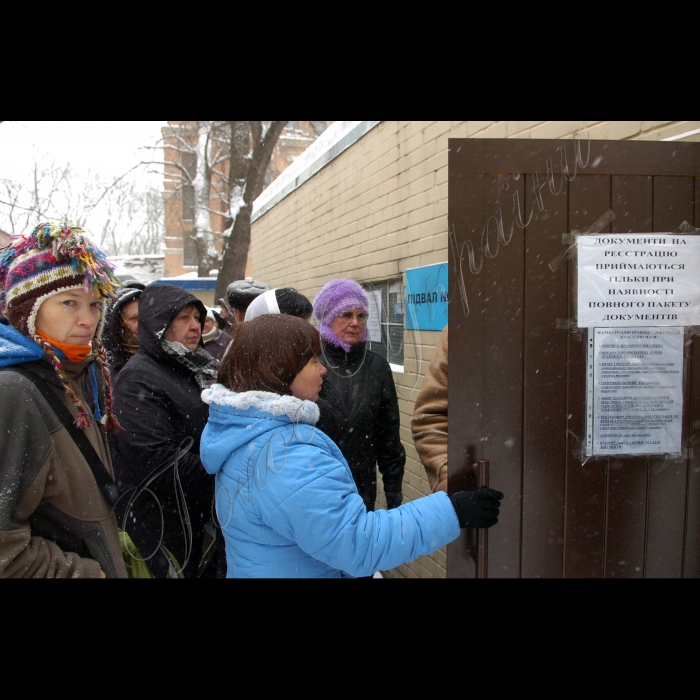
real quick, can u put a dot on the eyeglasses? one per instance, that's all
(349, 315)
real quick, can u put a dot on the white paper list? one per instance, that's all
(637, 391)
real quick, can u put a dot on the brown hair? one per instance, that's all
(267, 353)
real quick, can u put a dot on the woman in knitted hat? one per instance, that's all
(364, 382)
(56, 518)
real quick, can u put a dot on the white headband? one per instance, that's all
(266, 303)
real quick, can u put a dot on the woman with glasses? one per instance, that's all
(363, 382)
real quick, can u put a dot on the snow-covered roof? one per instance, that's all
(145, 268)
(186, 276)
(338, 137)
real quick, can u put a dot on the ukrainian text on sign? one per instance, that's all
(426, 297)
(636, 396)
(638, 280)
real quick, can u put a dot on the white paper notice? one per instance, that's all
(374, 322)
(637, 391)
(635, 279)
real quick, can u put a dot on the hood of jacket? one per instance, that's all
(16, 348)
(159, 304)
(237, 418)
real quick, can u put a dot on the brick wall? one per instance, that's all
(380, 208)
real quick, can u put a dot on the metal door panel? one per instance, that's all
(628, 480)
(502, 402)
(465, 387)
(517, 375)
(585, 483)
(674, 200)
(691, 558)
(544, 446)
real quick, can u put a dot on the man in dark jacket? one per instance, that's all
(364, 384)
(157, 401)
(241, 293)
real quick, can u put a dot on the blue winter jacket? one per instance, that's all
(288, 504)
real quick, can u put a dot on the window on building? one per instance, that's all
(189, 163)
(386, 323)
(189, 245)
(189, 249)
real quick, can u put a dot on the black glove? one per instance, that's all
(393, 499)
(477, 508)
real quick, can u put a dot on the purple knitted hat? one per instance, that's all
(336, 297)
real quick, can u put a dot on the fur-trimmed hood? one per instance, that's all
(236, 418)
(296, 410)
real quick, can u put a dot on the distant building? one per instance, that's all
(295, 139)
(179, 195)
(145, 268)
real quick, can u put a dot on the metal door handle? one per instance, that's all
(482, 535)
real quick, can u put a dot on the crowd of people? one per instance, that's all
(144, 434)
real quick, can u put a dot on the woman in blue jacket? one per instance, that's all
(285, 497)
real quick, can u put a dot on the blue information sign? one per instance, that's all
(426, 298)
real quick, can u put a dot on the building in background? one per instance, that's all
(145, 268)
(182, 179)
(295, 139)
(369, 201)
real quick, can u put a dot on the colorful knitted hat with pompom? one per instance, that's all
(55, 257)
(336, 297)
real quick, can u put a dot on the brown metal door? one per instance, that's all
(518, 367)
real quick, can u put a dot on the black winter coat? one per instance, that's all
(158, 402)
(363, 382)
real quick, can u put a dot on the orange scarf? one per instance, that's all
(73, 353)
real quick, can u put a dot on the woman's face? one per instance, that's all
(350, 325)
(70, 317)
(307, 384)
(185, 328)
(130, 314)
